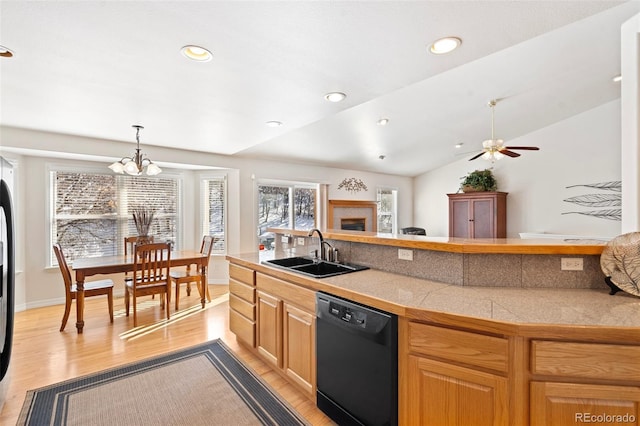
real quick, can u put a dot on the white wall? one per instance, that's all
(584, 149)
(39, 286)
(630, 100)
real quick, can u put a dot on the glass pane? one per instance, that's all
(273, 212)
(83, 194)
(159, 195)
(87, 237)
(305, 208)
(385, 210)
(216, 225)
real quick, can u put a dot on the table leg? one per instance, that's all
(203, 283)
(79, 302)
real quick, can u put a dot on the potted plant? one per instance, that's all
(479, 180)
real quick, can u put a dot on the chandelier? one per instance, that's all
(137, 164)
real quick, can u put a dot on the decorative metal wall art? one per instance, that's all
(607, 200)
(353, 185)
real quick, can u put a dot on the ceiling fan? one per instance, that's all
(493, 149)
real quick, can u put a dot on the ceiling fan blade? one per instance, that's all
(529, 148)
(476, 156)
(509, 153)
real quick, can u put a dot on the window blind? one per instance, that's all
(92, 211)
(214, 212)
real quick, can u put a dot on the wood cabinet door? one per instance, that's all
(482, 217)
(459, 219)
(299, 361)
(449, 395)
(269, 333)
(559, 404)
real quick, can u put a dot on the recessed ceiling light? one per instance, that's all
(335, 96)
(196, 53)
(445, 45)
(5, 53)
(617, 78)
(383, 122)
(459, 145)
(273, 123)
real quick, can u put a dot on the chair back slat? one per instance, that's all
(206, 247)
(151, 263)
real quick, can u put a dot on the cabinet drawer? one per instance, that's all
(242, 274)
(243, 307)
(302, 297)
(589, 360)
(244, 329)
(243, 291)
(461, 346)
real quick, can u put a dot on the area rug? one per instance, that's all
(202, 385)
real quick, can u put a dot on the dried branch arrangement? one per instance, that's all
(142, 217)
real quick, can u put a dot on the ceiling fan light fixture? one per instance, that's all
(493, 149)
(196, 53)
(445, 45)
(493, 155)
(5, 52)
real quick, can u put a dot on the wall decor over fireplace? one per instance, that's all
(352, 215)
(353, 185)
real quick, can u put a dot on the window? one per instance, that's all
(91, 212)
(275, 210)
(386, 199)
(214, 212)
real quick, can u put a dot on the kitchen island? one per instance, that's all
(467, 354)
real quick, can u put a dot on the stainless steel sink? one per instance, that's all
(317, 269)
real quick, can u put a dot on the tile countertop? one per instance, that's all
(402, 295)
(461, 245)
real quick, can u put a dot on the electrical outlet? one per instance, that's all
(405, 254)
(300, 241)
(571, 264)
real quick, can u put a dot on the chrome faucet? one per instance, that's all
(322, 251)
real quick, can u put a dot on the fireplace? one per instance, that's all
(352, 215)
(353, 223)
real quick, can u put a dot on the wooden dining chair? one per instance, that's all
(131, 242)
(91, 288)
(189, 276)
(151, 267)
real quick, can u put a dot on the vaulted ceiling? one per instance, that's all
(95, 68)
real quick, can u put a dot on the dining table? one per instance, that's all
(101, 265)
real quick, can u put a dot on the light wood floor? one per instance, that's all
(42, 355)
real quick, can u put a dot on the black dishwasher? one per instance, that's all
(357, 362)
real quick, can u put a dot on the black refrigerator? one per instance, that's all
(7, 274)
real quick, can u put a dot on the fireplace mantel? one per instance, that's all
(350, 209)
